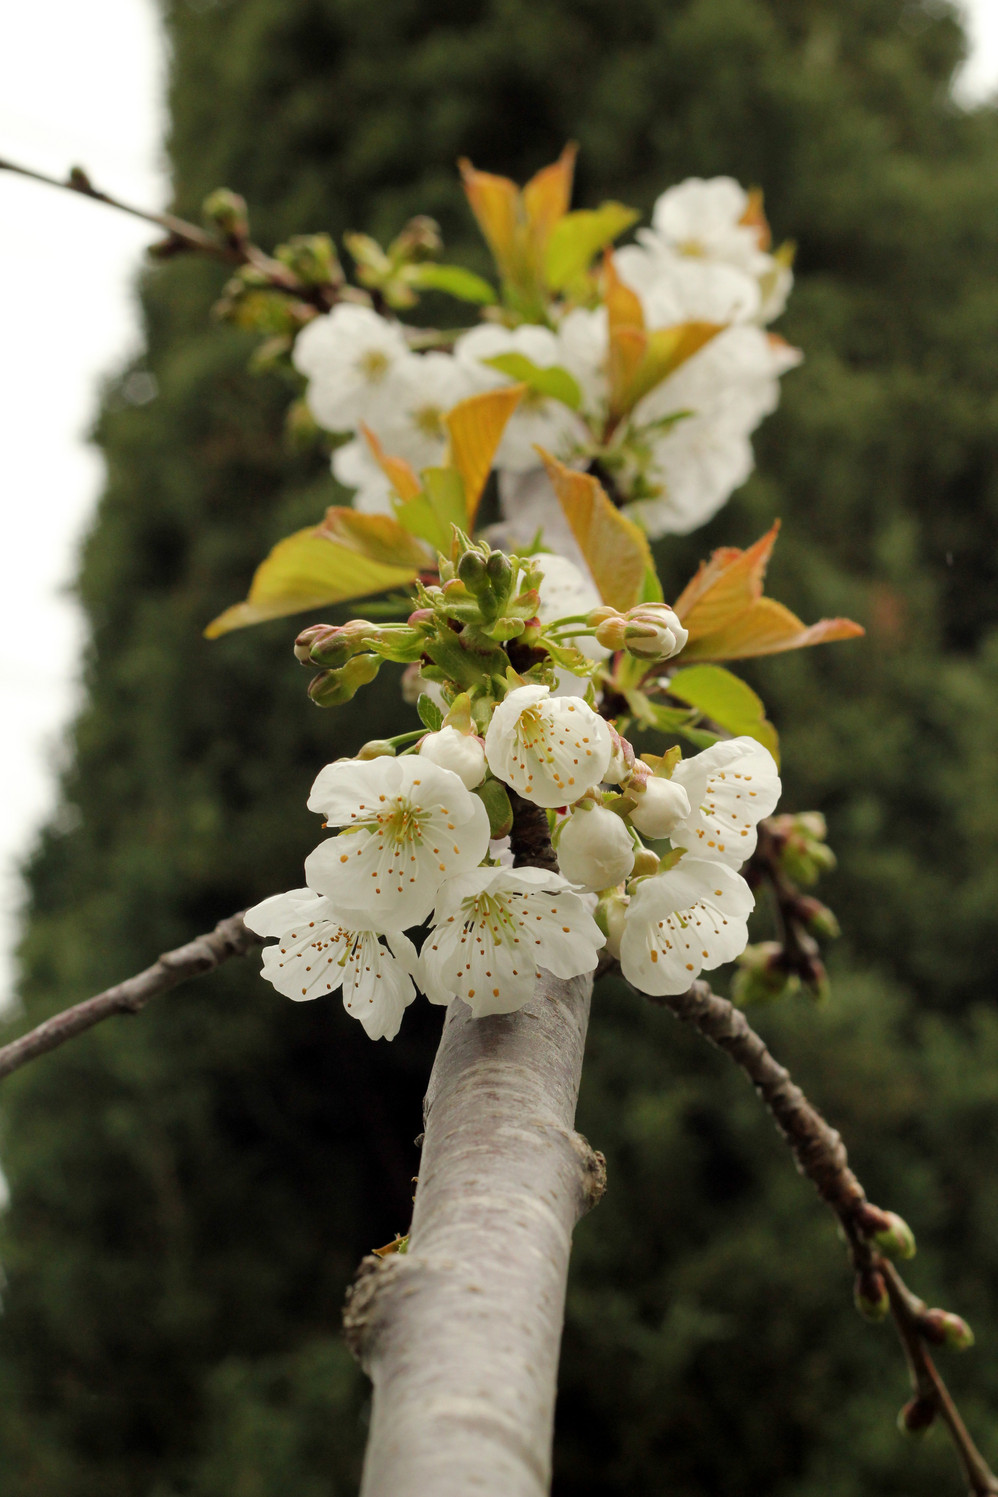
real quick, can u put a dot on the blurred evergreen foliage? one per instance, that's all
(191, 1192)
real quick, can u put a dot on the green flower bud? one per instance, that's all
(761, 976)
(376, 748)
(312, 258)
(471, 571)
(334, 644)
(333, 688)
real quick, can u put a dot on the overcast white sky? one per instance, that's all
(82, 82)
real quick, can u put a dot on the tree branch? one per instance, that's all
(821, 1155)
(229, 938)
(460, 1333)
(184, 236)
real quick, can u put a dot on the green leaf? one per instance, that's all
(429, 713)
(442, 504)
(651, 589)
(728, 701)
(580, 236)
(650, 714)
(454, 280)
(549, 380)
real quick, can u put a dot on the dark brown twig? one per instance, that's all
(821, 1155)
(231, 937)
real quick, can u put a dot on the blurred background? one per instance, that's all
(190, 1193)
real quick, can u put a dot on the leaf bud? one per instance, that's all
(226, 211)
(870, 1294)
(917, 1416)
(376, 748)
(334, 687)
(895, 1239)
(943, 1328)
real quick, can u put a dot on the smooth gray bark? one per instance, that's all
(461, 1334)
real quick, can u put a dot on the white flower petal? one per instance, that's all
(411, 825)
(678, 923)
(494, 927)
(551, 750)
(731, 787)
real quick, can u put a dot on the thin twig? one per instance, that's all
(185, 236)
(231, 937)
(821, 1155)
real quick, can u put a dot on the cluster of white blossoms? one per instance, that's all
(413, 848)
(675, 457)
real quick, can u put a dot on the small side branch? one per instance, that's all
(183, 237)
(231, 937)
(821, 1155)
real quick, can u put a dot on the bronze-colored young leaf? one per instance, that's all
(728, 618)
(474, 428)
(311, 570)
(616, 550)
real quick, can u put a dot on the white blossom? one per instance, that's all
(703, 218)
(354, 466)
(551, 750)
(731, 787)
(539, 420)
(407, 414)
(494, 927)
(677, 923)
(346, 357)
(661, 805)
(410, 825)
(595, 849)
(462, 753)
(315, 954)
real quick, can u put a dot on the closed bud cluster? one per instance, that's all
(419, 239)
(312, 258)
(762, 976)
(817, 919)
(651, 631)
(943, 1328)
(803, 852)
(870, 1294)
(334, 687)
(333, 645)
